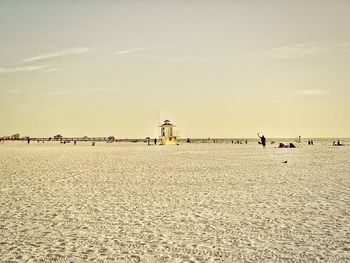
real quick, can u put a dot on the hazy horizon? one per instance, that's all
(225, 69)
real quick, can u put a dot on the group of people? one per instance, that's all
(338, 143)
(239, 142)
(286, 145)
(149, 141)
(291, 145)
(281, 145)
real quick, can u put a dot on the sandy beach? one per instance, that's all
(186, 203)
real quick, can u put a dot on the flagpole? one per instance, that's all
(158, 121)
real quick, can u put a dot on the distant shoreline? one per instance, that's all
(181, 140)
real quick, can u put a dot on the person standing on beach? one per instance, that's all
(155, 141)
(263, 140)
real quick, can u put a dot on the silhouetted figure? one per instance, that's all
(246, 141)
(262, 140)
(188, 140)
(291, 145)
(155, 141)
(28, 140)
(333, 143)
(312, 142)
(93, 143)
(75, 142)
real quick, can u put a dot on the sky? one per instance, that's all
(214, 68)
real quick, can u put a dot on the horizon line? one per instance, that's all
(8, 137)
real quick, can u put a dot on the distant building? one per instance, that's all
(58, 137)
(167, 135)
(15, 136)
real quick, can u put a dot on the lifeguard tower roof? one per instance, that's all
(167, 123)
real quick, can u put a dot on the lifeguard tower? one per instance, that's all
(167, 135)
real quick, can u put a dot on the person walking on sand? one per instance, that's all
(155, 141)
(263, 140)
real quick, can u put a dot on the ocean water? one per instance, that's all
(199, 202)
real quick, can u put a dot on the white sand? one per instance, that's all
(198, 202)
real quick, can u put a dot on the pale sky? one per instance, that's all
(214, 68)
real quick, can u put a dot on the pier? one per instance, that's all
(64, 139)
